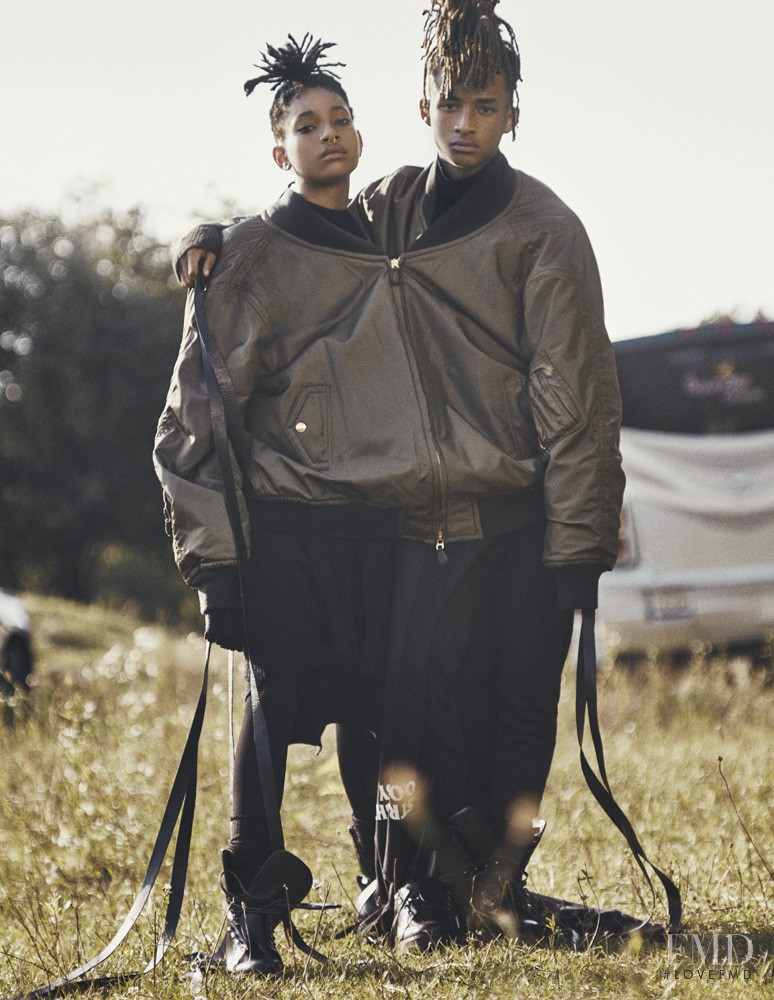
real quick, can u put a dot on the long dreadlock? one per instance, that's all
(466, 42)
(290, 69)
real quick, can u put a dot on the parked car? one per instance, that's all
(696, 547)
(15, 648)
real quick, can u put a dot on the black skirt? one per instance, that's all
(319, 610)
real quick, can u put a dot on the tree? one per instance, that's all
(90, 320)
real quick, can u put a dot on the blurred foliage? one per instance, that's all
(90, 319)
(716, 318)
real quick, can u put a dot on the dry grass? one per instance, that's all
(89, 757)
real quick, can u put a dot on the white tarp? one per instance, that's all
(717, 476)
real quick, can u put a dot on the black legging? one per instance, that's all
(358, 753)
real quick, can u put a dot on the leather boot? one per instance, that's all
(252, 915)
(363, 835)
(425, 917)
(500, 903)
(367, 902)
(472, 845)
(472, 833)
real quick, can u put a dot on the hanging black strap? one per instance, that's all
(228, 432)
(586, 701)
(181, 803)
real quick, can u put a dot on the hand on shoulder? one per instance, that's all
(188, 265)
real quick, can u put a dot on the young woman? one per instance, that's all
(307, 347)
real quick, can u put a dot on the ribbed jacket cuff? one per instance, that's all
(218, 588)
(208, 237)
(577, 587)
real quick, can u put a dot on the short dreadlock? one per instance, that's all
(466, 42)
(290, 69)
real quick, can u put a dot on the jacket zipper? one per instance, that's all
(440, 547)
(440, 541)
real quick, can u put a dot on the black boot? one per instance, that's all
(254, 912)
(500, 902)
(363, 834)
(580, 925)
(472, 834)
(250, 923)
(368, 905)
(425, 917)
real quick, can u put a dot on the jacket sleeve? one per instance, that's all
(576, 406)
(184, 455)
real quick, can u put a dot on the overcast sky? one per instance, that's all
(653, 121)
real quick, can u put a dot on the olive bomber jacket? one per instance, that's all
(456, 375)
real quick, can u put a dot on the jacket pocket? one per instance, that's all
(309, 425)
(520, 414)
(555, 409)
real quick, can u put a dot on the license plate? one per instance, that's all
(668, 605)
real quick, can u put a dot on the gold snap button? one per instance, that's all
(300, 427)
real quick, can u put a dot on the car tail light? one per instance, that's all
(627, 542)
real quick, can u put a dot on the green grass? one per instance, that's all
(88, 759)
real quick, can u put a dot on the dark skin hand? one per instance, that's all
(189, 265)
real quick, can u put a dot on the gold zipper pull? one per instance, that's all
(440, 546)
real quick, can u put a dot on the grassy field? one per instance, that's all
(88, 759)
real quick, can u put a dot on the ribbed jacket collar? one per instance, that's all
(484, 199)
(293, 214)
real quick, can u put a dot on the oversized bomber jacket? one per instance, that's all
(452, 381)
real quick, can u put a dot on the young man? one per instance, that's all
(499, 309)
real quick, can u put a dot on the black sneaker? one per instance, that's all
(425, 917)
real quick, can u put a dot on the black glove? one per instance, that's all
(224, 627)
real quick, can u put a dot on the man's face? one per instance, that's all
(321, 144)
(468, 124)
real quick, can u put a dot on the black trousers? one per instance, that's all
(477, 651)
(501, 691)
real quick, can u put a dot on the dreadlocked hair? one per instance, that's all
(292, 68)
(466, 42)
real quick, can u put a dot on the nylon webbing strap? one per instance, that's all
(181, 803)
(586, 701)
(228, 432)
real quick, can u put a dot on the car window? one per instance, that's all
(715, 379)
